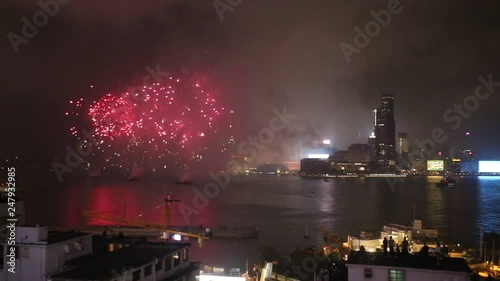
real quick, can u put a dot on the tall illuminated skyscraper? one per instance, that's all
(403, 144)
(372, 144)
(385, 135)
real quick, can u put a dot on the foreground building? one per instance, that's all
(140, 262)
(379, 267)
(415, 234)
(42, 255)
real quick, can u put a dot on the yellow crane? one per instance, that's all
(145, 224)
(331, 238)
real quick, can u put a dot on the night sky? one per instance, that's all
(262, 55)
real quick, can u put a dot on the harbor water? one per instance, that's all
(280, 207)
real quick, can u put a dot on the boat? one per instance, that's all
(326, 179)
(450, 179)
(95, 173)
(184, 182)
(446, 182)
(4, 187)
(385, 176)
(135, 173)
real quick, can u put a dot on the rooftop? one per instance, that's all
(101, 266)
(409, 261)
(56, 237)
(179, 273)
(59, 236)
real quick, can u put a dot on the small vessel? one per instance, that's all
(326, 179)
(184, 182)
(135, 172)
(95, 173)
(446, 182)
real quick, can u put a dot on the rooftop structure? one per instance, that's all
(409, 267)
(140, 261)
(414, 234)
(40, 253)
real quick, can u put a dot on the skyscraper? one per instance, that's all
(372, 144)
(403, 144)
(359, 153)
(385, 135)
(467, 153)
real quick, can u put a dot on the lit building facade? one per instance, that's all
(372, 144)
(379, 267)
(403, 148)
(467, 151)
(385, 135)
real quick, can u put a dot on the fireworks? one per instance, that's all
(112, 116)
(157, 125)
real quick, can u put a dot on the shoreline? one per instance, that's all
(217, 233)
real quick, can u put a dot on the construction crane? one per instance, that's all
(164, 228)
(169, 200)
(329, 238)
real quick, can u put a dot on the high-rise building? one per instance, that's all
(374, 118)
(467, 153)
(371, 143)
(340, 156)
(403, 148)
(359, 153)
(385, 135)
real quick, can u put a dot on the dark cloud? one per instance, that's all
(263, 55)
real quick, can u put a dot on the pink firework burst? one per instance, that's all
(112, 116)
(175, 120)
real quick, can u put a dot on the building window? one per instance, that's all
(158, 265)
(368, 273)
(177, 259)
(136, 276)
(396, 275)
(148, 270)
